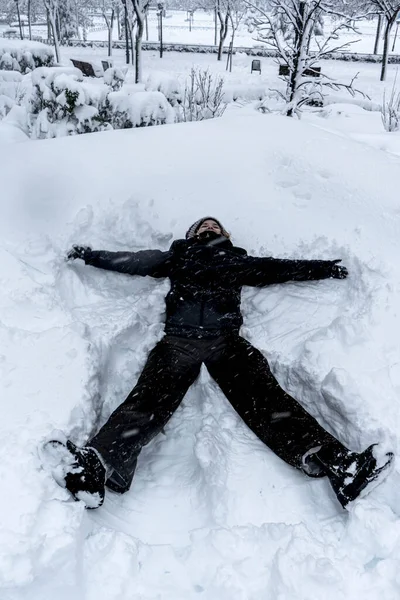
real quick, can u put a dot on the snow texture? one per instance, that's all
(212, 513)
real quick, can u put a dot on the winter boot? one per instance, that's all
(352, 475)
(80, 470)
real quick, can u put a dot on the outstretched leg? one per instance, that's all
(245, 377)
(287, 428)
(173, 365)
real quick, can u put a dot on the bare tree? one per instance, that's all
(378, 33)
(288, 27)
(140, 8)
(223, 9)
(236, 15)
(389, 9)
(51, 7)
(21, 33)
(108, 10)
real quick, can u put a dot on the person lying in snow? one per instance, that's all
(203, 320)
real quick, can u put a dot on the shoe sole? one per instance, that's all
(59, 456)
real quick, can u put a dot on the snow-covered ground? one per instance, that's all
(212, 513)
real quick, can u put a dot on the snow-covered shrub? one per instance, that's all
(61, 104)
(203, 97)
(114, 78)
(141, 109)
(167, 85)
(244, 92)
(24, 55)
(10, 83)
(8, 63)
(6, 104)
(391, 109)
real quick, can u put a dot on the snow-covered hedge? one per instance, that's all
(63, 104)
(24, 55)
(141, 109)
(9, 83)
(6, 104)
(166, 84)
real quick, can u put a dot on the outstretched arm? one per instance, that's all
(266, 271)
(145, 262)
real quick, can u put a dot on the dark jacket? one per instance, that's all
(206, 280)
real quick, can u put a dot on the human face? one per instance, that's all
(209, 225)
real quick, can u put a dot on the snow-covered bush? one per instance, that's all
(391, 109)
(10, 82)
(244, 92)
(6, 104)
(203, 97)
(141, 109)
(115, 78)
(167, 85)
(61, 104)
(24, 55)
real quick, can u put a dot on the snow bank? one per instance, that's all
(212, 513)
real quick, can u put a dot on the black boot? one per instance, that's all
(81, 471)
(352, 474)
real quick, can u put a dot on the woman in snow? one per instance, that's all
(203, 319)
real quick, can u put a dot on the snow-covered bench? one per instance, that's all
(88, 69)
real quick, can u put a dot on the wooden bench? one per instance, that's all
(311, 72)
(86, 68)
(106, 64)
(256, 66)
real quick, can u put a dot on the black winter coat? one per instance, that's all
(206, 280)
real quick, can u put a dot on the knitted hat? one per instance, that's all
(193, 229)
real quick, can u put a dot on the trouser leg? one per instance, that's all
(244, 376)
(171, 368)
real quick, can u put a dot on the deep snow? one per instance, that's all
(212, 513)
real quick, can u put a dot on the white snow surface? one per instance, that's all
(212, 512)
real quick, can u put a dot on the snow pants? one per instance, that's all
(245, 378)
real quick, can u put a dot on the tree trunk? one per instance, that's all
(78, 34)
(52, 19)
(301, 44)
(29, 19)
(147, 27)
(49, 33)
(138, 48)
(385, 56)
(126, 32)
(223, 32)
(216, 23)
(57, 24)
(395, 36)
(378, 33)
(230, 52)
(132, 45)
(21, 33)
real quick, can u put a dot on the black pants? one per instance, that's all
(245, 378)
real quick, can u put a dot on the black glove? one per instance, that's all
(82, 252)
(338, 271)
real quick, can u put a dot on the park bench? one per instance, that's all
(312, 72)
(256, 66)
(106, 64)
(87, 68)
